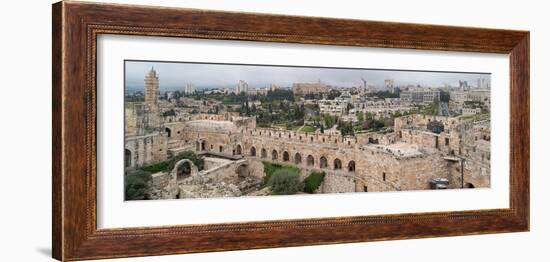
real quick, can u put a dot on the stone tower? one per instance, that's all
(151, 87)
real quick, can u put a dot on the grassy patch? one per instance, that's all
(313, 181)
(308, 129)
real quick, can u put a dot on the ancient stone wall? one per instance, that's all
(405, 160)
(145, 150)
(160, 180)
(337, 183)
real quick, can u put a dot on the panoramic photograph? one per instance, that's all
(211, 130)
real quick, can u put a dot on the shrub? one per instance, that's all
(313, 181)
(270, 168)
(155, 168)
(136, 185)
(285, 182)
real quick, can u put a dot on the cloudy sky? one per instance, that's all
(174, 75)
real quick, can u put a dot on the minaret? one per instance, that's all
(151, 87)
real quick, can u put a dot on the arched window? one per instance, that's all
(168, 132)
(297, 159)
(286, 156)
(310, 161)
(337, 164)
(221, 149)
(264, 153)
(253, 151)
(323, 162)
(274, 155)
(127, 158)
(351, 166)
(239, 150)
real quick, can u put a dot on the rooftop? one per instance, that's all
(398, 149)
(211, 126)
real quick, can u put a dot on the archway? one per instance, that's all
(239, 150)
(168, 131)
(127, 158)
(351, 166)
(252, 151)
(323, 162)
(274, 155)
(183, 169)
(469, 185)
(286, 156)
(297, 159)
(264, 153)
(310, 161)
(203, 145)
(220, 149)
(337, 164)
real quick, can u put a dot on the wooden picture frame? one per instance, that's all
(76, 26)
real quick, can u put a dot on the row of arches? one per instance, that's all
(201, 146)
(297, 159)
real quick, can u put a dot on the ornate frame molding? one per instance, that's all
(76, 26)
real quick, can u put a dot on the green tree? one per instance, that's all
(136, 185)
(360, 116)
(170, 112)
(285, 182)
(346, 128)
(329, 120)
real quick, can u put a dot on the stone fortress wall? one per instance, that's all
(406, 159)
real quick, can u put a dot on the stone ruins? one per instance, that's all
(409, 158)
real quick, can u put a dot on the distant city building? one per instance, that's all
(309, 88)
(458, 96)
(169, 95)
(420, 96)
(389, 84)
(483, 96)
(483, 83)
(344, 97)
(241, 87)
(470, 111)
(189, 89)
(463, 85)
